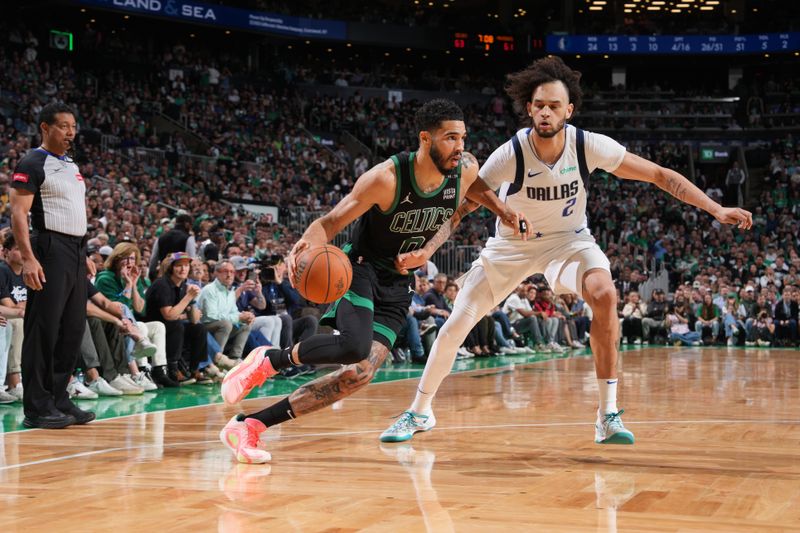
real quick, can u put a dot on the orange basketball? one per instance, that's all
(323, 274)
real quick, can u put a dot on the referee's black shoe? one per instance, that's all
(81, 417)
(57, 420)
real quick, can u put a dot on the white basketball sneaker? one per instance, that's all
(406, 425)
(609, 429)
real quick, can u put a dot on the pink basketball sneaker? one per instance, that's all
(247, 375)
(240, 435)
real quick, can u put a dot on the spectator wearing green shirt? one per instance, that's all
(121, 281)
(221, 316)
(708, 316)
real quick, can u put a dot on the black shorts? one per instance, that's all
(386, 294)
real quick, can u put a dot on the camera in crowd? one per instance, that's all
(268, 264)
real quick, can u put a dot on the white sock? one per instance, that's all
(440, 362)
(422, 403)
(608, 395)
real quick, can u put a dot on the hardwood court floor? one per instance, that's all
(718, 449)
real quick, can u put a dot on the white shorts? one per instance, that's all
(563, 259)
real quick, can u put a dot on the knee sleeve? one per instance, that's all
(351, 346)
(354, 348)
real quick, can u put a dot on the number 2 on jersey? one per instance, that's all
(568, 208)
(411, 244)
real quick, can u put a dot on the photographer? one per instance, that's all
(762, 330)
(760, 316)
(250, 298)
(284, 301)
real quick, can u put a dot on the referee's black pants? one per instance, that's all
(55, 318)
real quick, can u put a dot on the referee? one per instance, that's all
(48, 185)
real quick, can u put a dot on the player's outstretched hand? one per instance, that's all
(411, 261)
(735, 215)
(291, 261)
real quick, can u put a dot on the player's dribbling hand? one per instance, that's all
(33, 274)
(735, 215)
(517, 222)
(291, 261)
(411, 261)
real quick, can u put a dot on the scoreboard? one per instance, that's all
(495, 43)
(674, 44)
(487, 42)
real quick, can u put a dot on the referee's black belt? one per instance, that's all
(70, 238)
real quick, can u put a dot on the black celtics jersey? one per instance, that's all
(413, 218)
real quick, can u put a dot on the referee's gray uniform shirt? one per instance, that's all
(59, 203)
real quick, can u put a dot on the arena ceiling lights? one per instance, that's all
(654, 6)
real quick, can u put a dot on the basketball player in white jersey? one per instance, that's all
(543, 173)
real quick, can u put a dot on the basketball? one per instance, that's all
(323, 274)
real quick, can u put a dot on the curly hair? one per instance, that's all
(432, 113)
(521, 85)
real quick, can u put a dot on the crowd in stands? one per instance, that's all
(152, 197)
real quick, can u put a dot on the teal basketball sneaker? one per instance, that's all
(609, 430)
(406, 425)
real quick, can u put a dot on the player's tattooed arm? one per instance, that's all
(467, 206)
(332, 387)
(415, 259)
(634, 167)
(676, 186)
(685, 191)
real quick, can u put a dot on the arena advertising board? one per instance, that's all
(227, 17)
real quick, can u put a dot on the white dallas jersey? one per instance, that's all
(552, 199)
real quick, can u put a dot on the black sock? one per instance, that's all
(275, 414)
(280, 358)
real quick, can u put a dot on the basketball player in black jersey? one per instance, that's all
(400, 205)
